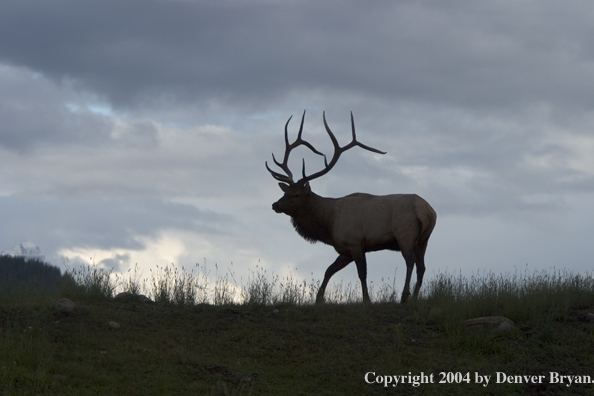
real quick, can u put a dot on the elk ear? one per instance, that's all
(284, 187)
(307, 188)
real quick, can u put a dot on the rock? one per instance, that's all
(65, 305)
(114, 325)
(585, 316)
(59, 377)
(124, 296)
(275, 311)
(500, 324)
(144, 299)
(128, 296)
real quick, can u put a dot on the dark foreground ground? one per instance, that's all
(349, 349)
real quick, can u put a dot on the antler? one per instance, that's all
(288, 178)
(337, 151)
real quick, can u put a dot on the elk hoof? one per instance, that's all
(404, 297)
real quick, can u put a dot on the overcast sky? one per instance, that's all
(136, 131)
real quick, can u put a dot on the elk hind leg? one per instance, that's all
(410, 263)
(420, 260)
(341, 262)
(362, 272)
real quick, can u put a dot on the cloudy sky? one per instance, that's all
(136, 131)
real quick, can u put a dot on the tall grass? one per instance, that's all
(88, 282)
(170, 285)
(521, 296)
(262, 290)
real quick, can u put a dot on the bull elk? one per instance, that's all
(355, 224)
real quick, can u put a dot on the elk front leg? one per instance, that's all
(341, 262)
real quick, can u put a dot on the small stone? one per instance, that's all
(275, 311)
(500, 324)
(590, 316)
(505, 326)
(114, 325)
(65, 305)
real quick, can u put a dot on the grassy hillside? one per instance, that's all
(273, 341)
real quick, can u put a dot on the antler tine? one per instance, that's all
(337, 150)
(304, 142)
(287, 129)
(356, 143)
(288, 178)
(278, 176)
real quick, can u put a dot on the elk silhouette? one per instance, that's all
(357, 223)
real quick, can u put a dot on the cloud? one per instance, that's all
(37, 112)
(139, 129)
(118, 263)
(104, 222)
(145, 53)
(33, 113)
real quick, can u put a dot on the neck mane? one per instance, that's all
(314, 222)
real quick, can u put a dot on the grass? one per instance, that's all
(264, 335)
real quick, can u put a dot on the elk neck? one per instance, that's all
(314, 222)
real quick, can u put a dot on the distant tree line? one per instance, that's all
(17, 272)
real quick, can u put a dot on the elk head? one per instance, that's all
(294, 199)
(298, 193)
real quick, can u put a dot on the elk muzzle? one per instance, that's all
(275, 207)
